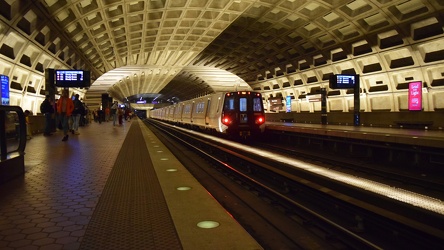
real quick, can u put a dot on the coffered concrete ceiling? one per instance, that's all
(185, 48)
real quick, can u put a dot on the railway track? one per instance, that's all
(325, 211)
(421, 182)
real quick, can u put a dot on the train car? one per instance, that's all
(239, 113)
(243, 113)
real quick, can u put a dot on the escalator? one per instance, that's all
(12, 142)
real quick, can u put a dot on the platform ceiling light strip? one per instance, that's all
(409, 197)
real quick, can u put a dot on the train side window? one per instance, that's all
(187, 109)
(201, 107)
(243, 104)
(257, 107)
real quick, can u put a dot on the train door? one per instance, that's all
(191, 111)
(243, 110)
(207, 111)
(181, 112)
(177, 110)
(187, 113)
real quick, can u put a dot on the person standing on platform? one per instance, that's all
(78, 111)
(95, 115)
(28, 125)
(107, 112)
(65, 106)
(101, 115)
(120, 113)
(114, 112)
(47, 109)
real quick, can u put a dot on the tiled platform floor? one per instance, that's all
(110, 188)
(50, 207)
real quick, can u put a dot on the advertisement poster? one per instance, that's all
(275, 103)
(4, 91)
(415, 96)
(288, 104)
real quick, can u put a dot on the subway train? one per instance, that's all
(239, 113)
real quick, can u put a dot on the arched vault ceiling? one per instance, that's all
(188, 81)
(184, 48)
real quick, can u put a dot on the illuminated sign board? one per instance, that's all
(415, 96)
(288, 104)
(342, 81)
(4, 90)
(72, 78)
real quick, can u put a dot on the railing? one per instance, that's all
(12, 131)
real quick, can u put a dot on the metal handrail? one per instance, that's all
(21, 133)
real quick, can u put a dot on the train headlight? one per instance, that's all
(260, 120)
(226, 120)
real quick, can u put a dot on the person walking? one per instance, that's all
(76, 113)
(47, 109)
(65, 106)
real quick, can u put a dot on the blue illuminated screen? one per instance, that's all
(4, 91)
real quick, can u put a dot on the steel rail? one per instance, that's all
(341, 232)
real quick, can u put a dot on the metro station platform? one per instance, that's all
(415, 137)
(111, 187)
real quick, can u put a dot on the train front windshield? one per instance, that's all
(257, 104)
(229, 103)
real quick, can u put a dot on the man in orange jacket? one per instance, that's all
(65, 106)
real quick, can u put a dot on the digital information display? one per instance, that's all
(341, 81)
(4, 91)
(72, 78)
(69, 75)
(345, 81)
(415, 96)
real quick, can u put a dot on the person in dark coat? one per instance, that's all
(47, 109)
